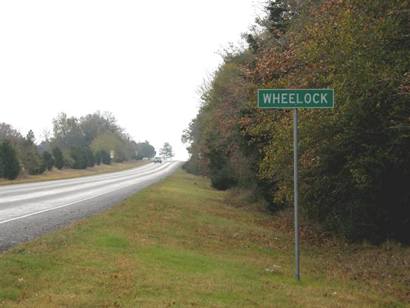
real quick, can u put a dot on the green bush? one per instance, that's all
(222, 179)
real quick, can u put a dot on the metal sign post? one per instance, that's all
(295, 99)
(296, 192)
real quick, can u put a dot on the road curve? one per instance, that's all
(29, 210)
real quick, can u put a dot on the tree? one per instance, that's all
(90, 157)
(105, 157)
(354, 162)
(98, 131)
(29, 156)
(96, 124)
(109, 141)
(166, 151)
(144, 150)
(279, 17)
(25, 147)
(7, 132)
(98, 158)
(9, 164)
(58, 158)
(48, 161)
(30, 137)
(67, 132)
(82, 157)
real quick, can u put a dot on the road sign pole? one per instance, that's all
(296, 192)
(295, 99)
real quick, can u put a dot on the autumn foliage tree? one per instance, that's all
(355, 166)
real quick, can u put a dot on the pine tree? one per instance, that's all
(58, 158)
(48, 161)
(9, 164)
(105, 157)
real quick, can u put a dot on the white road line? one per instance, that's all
(81, 200)
(7, 189)
(32, 194)
(52, 209)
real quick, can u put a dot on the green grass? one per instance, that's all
(182, 243)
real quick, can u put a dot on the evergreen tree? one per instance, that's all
(97, 158)
(90, 157)
(105, 157)
(48, 161)
(58, 158)
(9, 164)
(79, 157)
(29, 156)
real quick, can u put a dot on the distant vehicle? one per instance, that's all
(158, 160)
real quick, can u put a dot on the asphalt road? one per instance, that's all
(29, 210)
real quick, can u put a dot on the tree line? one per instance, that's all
(354, 160)
(75, 143)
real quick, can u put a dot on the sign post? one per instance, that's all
(296, 192)
(295, 99)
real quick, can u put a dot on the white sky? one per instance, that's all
(141, 60)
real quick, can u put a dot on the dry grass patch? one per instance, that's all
(56, 174)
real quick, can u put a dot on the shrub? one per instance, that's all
(222, 179)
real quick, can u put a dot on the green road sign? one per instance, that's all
(295, 99)
(291, 99)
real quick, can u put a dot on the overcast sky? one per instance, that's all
(141, 60)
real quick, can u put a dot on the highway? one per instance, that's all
(29, 210)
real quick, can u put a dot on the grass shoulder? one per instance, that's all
(56, 174)
(181, 243)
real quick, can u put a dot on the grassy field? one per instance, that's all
(56, 174)
(181, 243)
